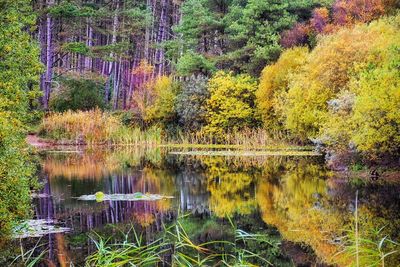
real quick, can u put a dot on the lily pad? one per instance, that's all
(37, 228)
(99, 196)
(138, 196)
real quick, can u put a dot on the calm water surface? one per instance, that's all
(295, 199)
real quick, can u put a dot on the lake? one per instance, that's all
(306, 210)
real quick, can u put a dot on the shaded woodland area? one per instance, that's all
(107, 38)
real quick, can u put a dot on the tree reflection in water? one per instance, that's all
(296, 195)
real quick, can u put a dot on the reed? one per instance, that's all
(93, 128)
(175, 248)
(243, 139)
(366, 247)
(28, 258)
(96, 127)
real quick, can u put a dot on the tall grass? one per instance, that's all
(370, 249)
(245, 138)
(28, 258)
(175, 248)
(136, 253)
(94, 127)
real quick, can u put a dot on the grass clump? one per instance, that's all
(175, 247)
(94, 127)
(365, 245)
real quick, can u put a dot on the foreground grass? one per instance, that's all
(175, 247)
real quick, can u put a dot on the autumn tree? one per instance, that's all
(326, 74)
(367, 116)
(231, 105)
(163, 108)
(342, 13)
(274, 84)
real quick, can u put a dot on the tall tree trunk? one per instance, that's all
(113, 64)
(49, 57)
(43, 50)
(161, 37)
(149, 8)
(89, 43)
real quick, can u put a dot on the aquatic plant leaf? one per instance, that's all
(99, 196)
(123, 197)
(37, 228)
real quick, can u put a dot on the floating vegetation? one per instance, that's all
(37, 228)
(138, 196)
(243, 153)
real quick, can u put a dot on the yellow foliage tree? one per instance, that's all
(327, 72)
(274, 83)
(367, 115)
(231, 104)
(376, 117)
(155, 100)
(163, 106)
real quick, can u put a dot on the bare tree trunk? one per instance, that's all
(147, 33)
(161, 37)
(49, 58)
(43, 50)
(117, 84)
(89, 43)
(113, 65)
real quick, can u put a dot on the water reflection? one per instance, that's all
(297, 195)
(297, 206)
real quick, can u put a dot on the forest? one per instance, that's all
(287, 78)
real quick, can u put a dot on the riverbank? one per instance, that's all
(389, 174)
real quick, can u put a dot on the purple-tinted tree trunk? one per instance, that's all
(49, 58)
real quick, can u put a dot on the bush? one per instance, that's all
(128, 118)
(369, 119)
(328, 70)
(78, 93)
(163, 108)
(191, 103)
(231, 104)
(376, 112)
(81, 126)
(274, 84)
(20, 69)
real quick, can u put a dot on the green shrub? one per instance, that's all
(190, 105)
(78, 93)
